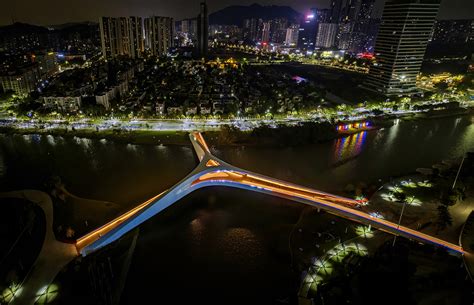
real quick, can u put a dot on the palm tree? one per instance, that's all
(444, 218)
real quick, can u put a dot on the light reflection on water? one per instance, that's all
(128, 174)
(348, 147)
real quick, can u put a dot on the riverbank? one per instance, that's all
(302, 133)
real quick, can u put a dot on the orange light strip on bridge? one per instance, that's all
(317, 197)
(96, 234)
(201, 141)
(253, 180)
(212, 163)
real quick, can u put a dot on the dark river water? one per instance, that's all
(224, 246)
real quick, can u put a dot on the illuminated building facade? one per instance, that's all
(266, 32)
(452, 31)
(400, 46)
(159, 34)
(307, 31)
(121, 36)
(291, 38)
(326, 35)
(22, 80)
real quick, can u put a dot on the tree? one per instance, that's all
(444, 218)
(399, 196)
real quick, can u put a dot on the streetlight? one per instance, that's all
(401, 215)
(459, 170)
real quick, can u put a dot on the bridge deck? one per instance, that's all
(214, 172)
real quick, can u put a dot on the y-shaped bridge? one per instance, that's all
(210, 172)
(214, 172)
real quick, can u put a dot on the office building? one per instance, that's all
(404, 32)
(308, 30)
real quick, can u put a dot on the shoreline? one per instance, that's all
(246, 138)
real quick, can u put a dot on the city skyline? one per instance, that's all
(51, 12)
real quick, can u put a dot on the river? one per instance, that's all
(228, 244)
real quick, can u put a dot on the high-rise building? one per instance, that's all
(365, 28)
(335, 11)
(400, 46)
(452, 31)
(344, 35)
(322, 15)
(22, 80)
(203, 25)
(266, 32)
(308, 28)
(278, 30)
(186, 32)
(326, 35)
(159, 34)
(136, 36)
(250, 30)
(121, 36)
(291, 38)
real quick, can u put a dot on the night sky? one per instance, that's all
(48, 12)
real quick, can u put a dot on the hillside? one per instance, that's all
(237, 13)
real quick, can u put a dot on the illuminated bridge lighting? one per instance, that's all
(214, 172)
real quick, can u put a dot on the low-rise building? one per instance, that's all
(63, 103)
(205, 108)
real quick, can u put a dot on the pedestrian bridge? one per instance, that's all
(212, 171)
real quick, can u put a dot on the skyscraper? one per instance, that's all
(308, 28)
(121, 36)
(203, 25)
(400, 46)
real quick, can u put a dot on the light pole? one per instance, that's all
(400, 219)
(459, 170)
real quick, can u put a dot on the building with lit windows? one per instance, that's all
(308, 31)
(452, 31)
(401, 43)
(121, 36)
(291, 38)
(266, 32)
(22, 80)
(159, 34)
(326, 35)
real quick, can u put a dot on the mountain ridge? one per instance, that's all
(236, 14)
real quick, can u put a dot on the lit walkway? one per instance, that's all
(214, 172)
(54, 255)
